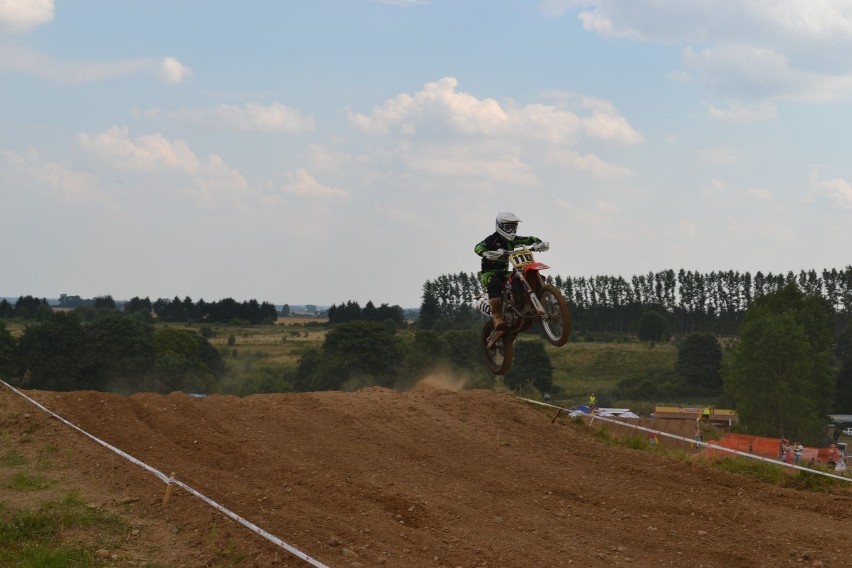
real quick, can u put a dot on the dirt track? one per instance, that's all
(427, 478)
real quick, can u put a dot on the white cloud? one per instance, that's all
(16, 59)
(715, 186)
(483, 144)
(750, 48)
(218, 185)
(327, 159)
(439, 107)
(556, 125)
(739, 113)
(698, 20)
(742, 70)
(588, 163)
(301, 183)
(22, 15)
(760, 194)
(402, 217)
(838, 191)
(564, 204)
(606, 207)
(24, 170)
(250, 117)
(24, 61)
(172, 71)
(461, 112)
(686, 228)
(756, 72)
(465, 164)
(210, 181)
(151, 153)
(721, 155)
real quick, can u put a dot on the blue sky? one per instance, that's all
(323, 151)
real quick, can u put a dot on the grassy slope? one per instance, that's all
(580, 367)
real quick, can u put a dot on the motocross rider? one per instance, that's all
(495, 266)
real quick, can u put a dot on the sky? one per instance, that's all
(319, 151)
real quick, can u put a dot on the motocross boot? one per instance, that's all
(497, 313)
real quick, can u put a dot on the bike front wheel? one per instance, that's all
(497, 353)
(556, 321)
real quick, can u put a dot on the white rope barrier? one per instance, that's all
(696, 442)
(171, 481)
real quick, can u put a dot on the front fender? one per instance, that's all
(534, 267)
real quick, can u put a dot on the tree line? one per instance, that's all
(175, 310)
(352, 311)
(114, 351)
(691, 301)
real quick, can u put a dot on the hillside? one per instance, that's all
(428, 478)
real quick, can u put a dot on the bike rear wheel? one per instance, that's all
(556, 322)
(498, 357)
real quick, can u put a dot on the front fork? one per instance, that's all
(532, 295)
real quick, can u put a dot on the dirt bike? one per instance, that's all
(527, 298)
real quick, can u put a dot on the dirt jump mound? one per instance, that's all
(435, 477)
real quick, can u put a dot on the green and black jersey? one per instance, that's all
(496, 241)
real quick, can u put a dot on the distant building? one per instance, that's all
(719, 417)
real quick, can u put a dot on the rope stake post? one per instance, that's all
(169, 487)
(558, 412)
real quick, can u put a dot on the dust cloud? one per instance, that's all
(443, 380)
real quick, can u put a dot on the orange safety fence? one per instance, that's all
(760, 446)
(768, 448)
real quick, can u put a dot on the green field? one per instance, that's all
(580, 368)
(273, 345)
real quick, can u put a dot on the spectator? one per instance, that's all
(797, 450)
(833, 455)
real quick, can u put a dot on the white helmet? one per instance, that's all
(507, 225)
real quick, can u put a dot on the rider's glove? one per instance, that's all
(493, 254)
(542, 246)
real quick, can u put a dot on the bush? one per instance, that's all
(653, 327)
(657, 384)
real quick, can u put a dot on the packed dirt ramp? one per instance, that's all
(432, 478)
